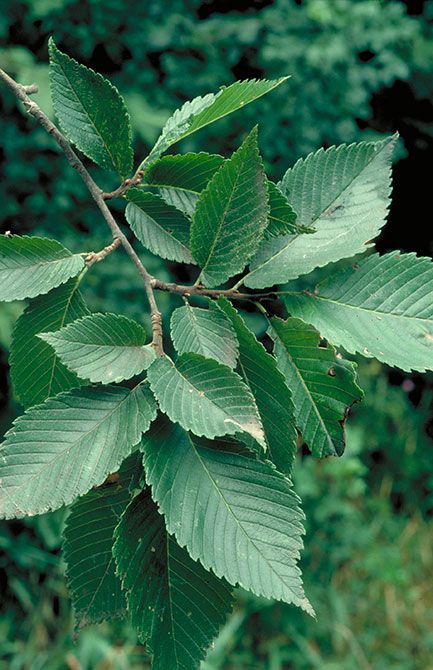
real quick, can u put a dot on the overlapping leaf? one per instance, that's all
(32, 266)
(204, 331)
(323, 386)
(91, 112)
(57, 451)
(272, 396)
(237, 515)
(343, 193)
(176, 605)
(160, 227)
(36, 372)
(204, 396)
(102, 347)
(380, 307)
(231, 215)
(87, 547)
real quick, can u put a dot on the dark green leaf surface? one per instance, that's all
(323, 386)
(176, 605)
(231, 215)
(31, 266)
(273, 398)
(91, 112)
(238, 516)
(380, 307)
(36, 372)
(102, 347)
(204, 331)
(204, 396)
(159, 226)
(57, 451)
(282, 217)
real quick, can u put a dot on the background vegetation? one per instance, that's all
(359, 68)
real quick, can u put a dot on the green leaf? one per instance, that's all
(202, 111)
(323, 386)
(91, 112)
(31, 266)
(231, 215)
(87, 548)
(204, 396)
(160, 227)
(380, 307)
(60, 449)
(36, 372)
(204, 331)
(237, 515)
(176, 605)
(102, 347)
(273, 398)
(344, 193)
(282, 217)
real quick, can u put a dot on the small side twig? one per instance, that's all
(98, 256)
(124, 186)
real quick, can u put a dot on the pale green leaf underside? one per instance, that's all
(238, 516)
(344, 194)
(57, 451)
(176, 605)
(273, 398)
(381, 307)
(323, 386)
(231, 215)
(95, 589)
(204, 396)
(204, 331)
(36, 372)
(91, 112)
(159, 226)
(102, 347)
(32, 266)
(202, 111)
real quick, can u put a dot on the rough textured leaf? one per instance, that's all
(36, 372)
(282, 217)
(176, 605)
(237, 515)
(87, 548)
(204, 331)
(323, 386)
(57, 451)
(344, 193)
(204, 396)
(202, 111)
(231, 215)
(102, 347)
(381, 307)
(267, 384)
(159, 226)
(91, 112)
(31, 266)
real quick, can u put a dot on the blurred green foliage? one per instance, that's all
(368, 562)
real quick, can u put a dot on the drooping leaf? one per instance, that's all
(88, 540)
(380, 307)
(31, 266)
(231, 215)
(160, 227)
(202, 111)
(102, 347)
(204, 331)
(204, 396)
(235, 514)
(176, 605)
(343, 193)
(323, 386)
(36, 372)
(91, 112)
(272, 396)
(57, 451)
